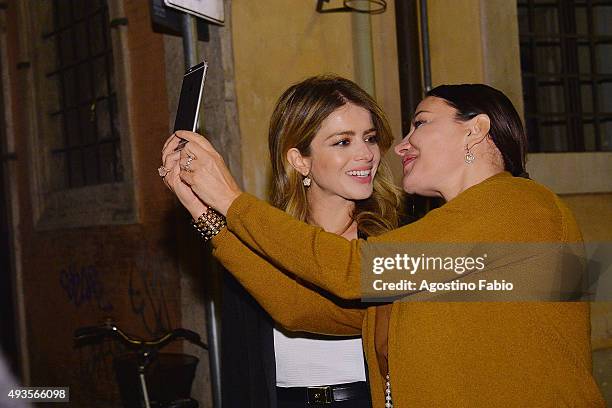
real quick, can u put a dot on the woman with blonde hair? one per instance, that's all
(326, 139)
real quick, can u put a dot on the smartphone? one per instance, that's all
(190, 99)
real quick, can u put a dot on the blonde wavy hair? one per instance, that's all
(296, 120)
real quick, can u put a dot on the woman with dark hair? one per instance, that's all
(507, 132)
(466, 145)
(325, 139)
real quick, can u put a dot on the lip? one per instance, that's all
(408, 159)
(361, 168)
(362, 180)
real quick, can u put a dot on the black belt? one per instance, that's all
(325, 394)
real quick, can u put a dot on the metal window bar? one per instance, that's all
(534, 125)
(112, 102)
(582, 38)
(62, 99)
(59, 30)
(77, 87)
(67, 67)
(84, 146)
(84, 90)
(81, 104)
(594, 75)
(93, 106)
(567, 75)
(569, 57)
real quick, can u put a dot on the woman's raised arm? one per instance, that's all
(292, 305)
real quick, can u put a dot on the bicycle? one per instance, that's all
(149, 363)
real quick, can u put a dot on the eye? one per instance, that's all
(342, 142)
(373, 139)
(418, 123)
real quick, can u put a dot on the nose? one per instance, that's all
(402, 147)
(365, 152)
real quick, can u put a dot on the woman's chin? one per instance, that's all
(420, 190)
(409, 185)
(360, 195)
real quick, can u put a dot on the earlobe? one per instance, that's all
(300, 163)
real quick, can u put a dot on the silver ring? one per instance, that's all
(162, 171)
(188, 162)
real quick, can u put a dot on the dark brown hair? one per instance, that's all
(507, 131)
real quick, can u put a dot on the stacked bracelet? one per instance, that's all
(209, 224)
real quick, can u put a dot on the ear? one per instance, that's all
(299, 162)
(479, 126)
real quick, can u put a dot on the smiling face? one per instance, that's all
(433, 151)
(344, 155)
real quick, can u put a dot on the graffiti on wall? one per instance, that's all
(84, 285)
(148, 299)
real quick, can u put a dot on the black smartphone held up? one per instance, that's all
(191, 98)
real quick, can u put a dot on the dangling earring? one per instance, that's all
(306, 181)
(469, 156)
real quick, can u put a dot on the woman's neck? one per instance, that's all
(468, 179)
(332, 213)
(489, 162)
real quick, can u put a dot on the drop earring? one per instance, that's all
(306, 181)
(469, 156)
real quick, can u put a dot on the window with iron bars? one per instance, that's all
(566, 64)
(87, 149)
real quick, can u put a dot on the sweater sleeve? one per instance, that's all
(324, 259)
(292, 305)
(332, 263)
(321, 258)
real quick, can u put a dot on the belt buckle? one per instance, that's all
(319, 395)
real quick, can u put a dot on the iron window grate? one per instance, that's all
(90, 148)
(566, 64)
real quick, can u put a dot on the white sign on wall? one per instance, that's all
(211, 10)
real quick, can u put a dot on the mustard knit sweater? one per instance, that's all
(440, 354)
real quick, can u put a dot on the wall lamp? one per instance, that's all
(358, 6)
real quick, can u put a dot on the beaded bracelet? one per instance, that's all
(209, 224)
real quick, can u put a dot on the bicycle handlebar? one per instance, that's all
(111, 330)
